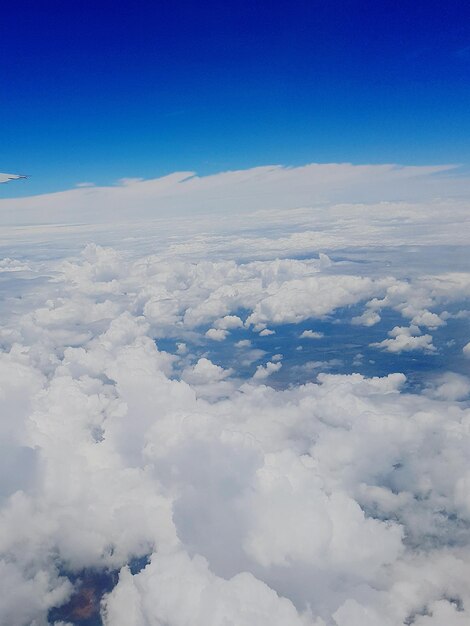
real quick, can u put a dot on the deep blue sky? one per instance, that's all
(95, 91)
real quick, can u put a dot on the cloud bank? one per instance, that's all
(156, 408)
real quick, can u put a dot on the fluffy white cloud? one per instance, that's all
(263, 371)
(205, 372)
(229, 322)
(368, 318)
(134, 460)
(216, 334)
(243, 343)
(450, 386)
(311, 334)
(294, 520)
(175, 589)
(339, 502)
(413, 299)
(406, 339)
(313, 296)
(26, 599)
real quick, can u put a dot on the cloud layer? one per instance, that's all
(338, 499)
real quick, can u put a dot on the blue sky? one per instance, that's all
(99, 91)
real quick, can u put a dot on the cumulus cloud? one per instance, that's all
(208, 379)
(266, 332)
(314, 296)
(413, 299)
(181, 347)
(140, 422)
(204, 372)
(368, 318)
(406, 339)
(243, 343)
(229, 322)
(216, 334)
(230, 487)
(263, 371)
(349, 519)
(450, 386)
(311, 334)
(187, 592)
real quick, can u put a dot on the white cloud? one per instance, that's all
(288, 495)
(370, 317)
(342, 502)
(229, 322)
(186, 593)
(128, 182)
(181, 348)
(406, 339)
(24, 598)
(450, 386)
(243, 343)
(311, 334)
(205, 372)
(207, 379)
(216, 334)
(314, 296)
(330, 206)
(265, 187)
(266, 332)
(414, 298)
(312, 366)
(134, 460)
(263, 371)
(251, 356)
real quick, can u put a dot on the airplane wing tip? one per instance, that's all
(5, 178)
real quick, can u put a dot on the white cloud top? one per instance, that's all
(311, 334)
(140, 416)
